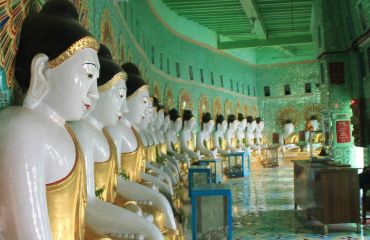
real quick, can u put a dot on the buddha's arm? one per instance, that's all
(23, 204)
(200, 145)
(185, 148)
(229, 144)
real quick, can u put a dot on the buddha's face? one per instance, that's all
(234, 125)
(159, 120)
(190, 123)
(315, 124)
(166, 123)
(288, 128)
(109, 106)
(208, 126)
(242, 124)
(72, 85)
(148, 113)
(223, 126)
(137, 103)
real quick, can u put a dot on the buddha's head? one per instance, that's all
(148, 115)
(57, 63)
(259, 120)
(188, 119)
(232, 122)
(207, 122)
(137, 95)
(314, 123)
(242, 122)
(176, 122)
(288, 127)
(112, 90)
(221, 124)
(160, 117)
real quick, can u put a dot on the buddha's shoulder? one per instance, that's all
(21, 118)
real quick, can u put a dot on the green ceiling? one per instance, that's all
(282, 27)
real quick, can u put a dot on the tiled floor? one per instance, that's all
(263, 209)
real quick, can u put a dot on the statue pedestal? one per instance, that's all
(236, 164)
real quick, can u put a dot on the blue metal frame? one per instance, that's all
(211, 190)
(206, 162)
(245, 170)
(197, 169)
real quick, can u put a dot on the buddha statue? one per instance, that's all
(172, 139)
(101, 157)
(240, 135)
(219, 141)
(231, 142)
(260, 125)
(131, 159)
(42, 167)
(154, 174)
(249, 133)
(289, 139)
(204, 138)
(313, 138)
(187, 139)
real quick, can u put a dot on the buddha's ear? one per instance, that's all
(38, 82)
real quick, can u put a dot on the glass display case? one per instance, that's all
(198, 175)
(216, 166)
(211, 212)
(236, 164)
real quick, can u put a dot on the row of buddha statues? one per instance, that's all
(89, 154)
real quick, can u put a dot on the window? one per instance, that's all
(212, 79)
(249, 91)
(243, 87)
(191, 77)
(322, 73)
(362, 16)
(201, 75)
(266, 90)
(287, 89)
(307, 88)
(254, 90)
(222, 80)
(161, 61)
(168, 66)
(231, 85)
(177, 70)
(152, 54)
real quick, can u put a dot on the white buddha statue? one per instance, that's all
(312, 137)
(158, 177)
(42, 169)
(130, 151)
(187, 136)
(173, 141)
(101, 159)
(289, 139)
(240, 135)
(204, 138)
(231, 142)
(219, 141)
(249, 134)
(260, 125)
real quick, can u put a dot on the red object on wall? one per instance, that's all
(275, 138)
(302, 136)
(336, 72)
(343, 131)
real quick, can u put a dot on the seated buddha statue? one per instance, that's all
(219, 141)
(187, 138)
(41, 165)
(131, 158)
(260, 125)
(289, 138)
(152, 173)
(173, 141)
(231, 142)
(101, 157)
(240, 135)
(204, 138)
(249, 133)
(313, 138)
